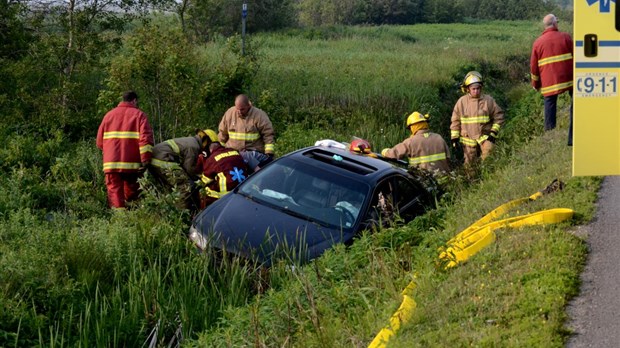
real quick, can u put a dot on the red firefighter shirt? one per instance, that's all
(126, 139)
(551, 63)
(221, 171)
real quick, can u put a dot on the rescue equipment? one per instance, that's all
(360, 146)
(471, 240)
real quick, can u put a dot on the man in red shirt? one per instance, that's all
(551, 67)
(126, 139)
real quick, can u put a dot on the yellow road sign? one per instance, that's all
(596, 139)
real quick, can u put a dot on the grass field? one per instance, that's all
(72, 273)
(511, 294)
(343, 81)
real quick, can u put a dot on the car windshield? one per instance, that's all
(308, 192)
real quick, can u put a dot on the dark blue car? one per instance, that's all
(305, 202)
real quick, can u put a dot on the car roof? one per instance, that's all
(365, 167)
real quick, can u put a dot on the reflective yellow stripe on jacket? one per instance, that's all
(474, 142)
(120, 165)
(269, 148)
(222, 186)
(427, 159)
(555, 59)
(475, 119)
(173, 146)
(468, 142)
(163, 164)
(146, 148)
(557, 87)
(455, 134)
(121, 135)
(243, 136)
(205, 179)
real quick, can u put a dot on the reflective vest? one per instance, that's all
(126, 139)
(222, 171)
(178, 153)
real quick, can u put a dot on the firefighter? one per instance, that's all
(126, 139)
(222, 170)
(174, 164)
(424, 149)
(248, 130)
(476, 120)
(551, 70)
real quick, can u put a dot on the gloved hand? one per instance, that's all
(271, 156)
(199, 183)
(492, 136)
(455, 142)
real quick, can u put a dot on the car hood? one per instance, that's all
(244, 227)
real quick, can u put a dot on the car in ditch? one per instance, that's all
(305, 202)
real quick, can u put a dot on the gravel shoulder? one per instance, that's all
(595, 313)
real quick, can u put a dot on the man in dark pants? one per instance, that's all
(551, 68)
(126, 139)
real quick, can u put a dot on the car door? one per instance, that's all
(395, 198)
(409, 197)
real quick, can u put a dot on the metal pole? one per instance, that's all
(244, 14)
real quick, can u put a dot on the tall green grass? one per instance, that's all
(73, 273)
(364, 81)
(513, 293)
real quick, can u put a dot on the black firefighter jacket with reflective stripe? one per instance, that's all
(178, 152)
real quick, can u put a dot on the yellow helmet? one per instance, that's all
(208, 136)
(416, 117)
(471, 78)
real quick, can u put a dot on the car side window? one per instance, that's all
(382, 204)
(395, 196)
(408, 197)
(404, 193)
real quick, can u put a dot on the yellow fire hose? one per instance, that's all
(470, 241)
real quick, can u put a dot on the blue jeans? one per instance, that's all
(551, 103)
(254, 158)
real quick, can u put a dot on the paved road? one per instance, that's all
(595, 314)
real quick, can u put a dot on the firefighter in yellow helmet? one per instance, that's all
(174, 164)
(476, 119)
(424, 149)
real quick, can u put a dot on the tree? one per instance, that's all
(442, 11)
(58, 78)
(160, 64)
(209, 18)
(14, 38)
